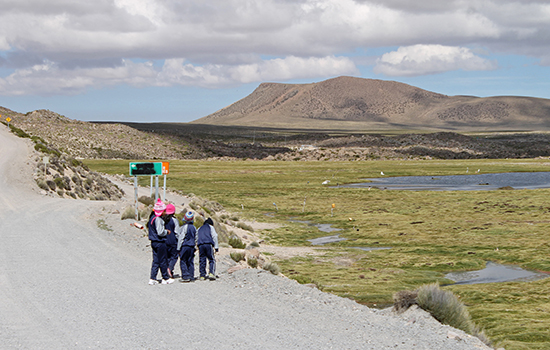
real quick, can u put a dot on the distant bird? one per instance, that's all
(467, 169)
(478, 170)
(382, 173)
(326, 182)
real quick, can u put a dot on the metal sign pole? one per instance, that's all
(151, 187)
(156, 187)
(164, 197)
(136, 196)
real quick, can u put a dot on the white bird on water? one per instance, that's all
(382, 173)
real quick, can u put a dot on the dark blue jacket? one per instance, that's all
(152, 228)
(205, 235)
(188, 236)
(171, 239)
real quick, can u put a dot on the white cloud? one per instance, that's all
(50, 79)
(221, 40)
(430, 59)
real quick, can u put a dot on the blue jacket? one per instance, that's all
(187, 236)
(207, 235)
(172, 225)
(155, 225)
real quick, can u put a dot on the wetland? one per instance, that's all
(431, 233)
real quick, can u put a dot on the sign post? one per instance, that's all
(165, 170)
(144, 169)
(8, 119)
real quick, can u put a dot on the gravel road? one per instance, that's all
(66, 284)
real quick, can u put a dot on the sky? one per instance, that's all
(180, 60)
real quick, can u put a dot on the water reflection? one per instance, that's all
(529, 180)
(494, 273)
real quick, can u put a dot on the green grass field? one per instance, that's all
(431, 233)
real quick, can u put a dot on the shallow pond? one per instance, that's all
(477, 182)
(494, 273)
(324, 228)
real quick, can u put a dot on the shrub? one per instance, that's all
(59, 182)
(404, 299)
(254, 244)
(60, 192)
(128, 213)
(445, 307)
(237, 256)
(273, 268)
(236, 242)
(252, 262)
(51, 185)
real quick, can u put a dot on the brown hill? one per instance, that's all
(348, 103)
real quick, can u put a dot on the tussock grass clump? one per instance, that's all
(252, 262)
(253, 244)
(445, 307)
(273, 268)
(146, 200)
(236, 242)
(237, 256)
(128, 213)
(244, 226)
(404, 299)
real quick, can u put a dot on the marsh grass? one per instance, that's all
(430, 233)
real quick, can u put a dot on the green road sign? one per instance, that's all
(145, 169)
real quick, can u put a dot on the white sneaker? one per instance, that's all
(168, 281)
(153, 282)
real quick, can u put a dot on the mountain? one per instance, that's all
(348, 103)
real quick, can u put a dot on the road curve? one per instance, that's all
(65, 285)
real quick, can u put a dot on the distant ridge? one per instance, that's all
(348, 103)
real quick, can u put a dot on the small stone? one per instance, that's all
(453, 335)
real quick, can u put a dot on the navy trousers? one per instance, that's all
(206, 251)
(187, 262)
(172, 256)
(160, 260)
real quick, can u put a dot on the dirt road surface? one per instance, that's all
(66, 284)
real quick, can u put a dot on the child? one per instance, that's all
(207, 241)
(187, 244)
(157, 236)
(172, 225)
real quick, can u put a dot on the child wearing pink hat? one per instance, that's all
(157, 236)
(172, 225)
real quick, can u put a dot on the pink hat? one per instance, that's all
(159, 207)
(170, 209)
